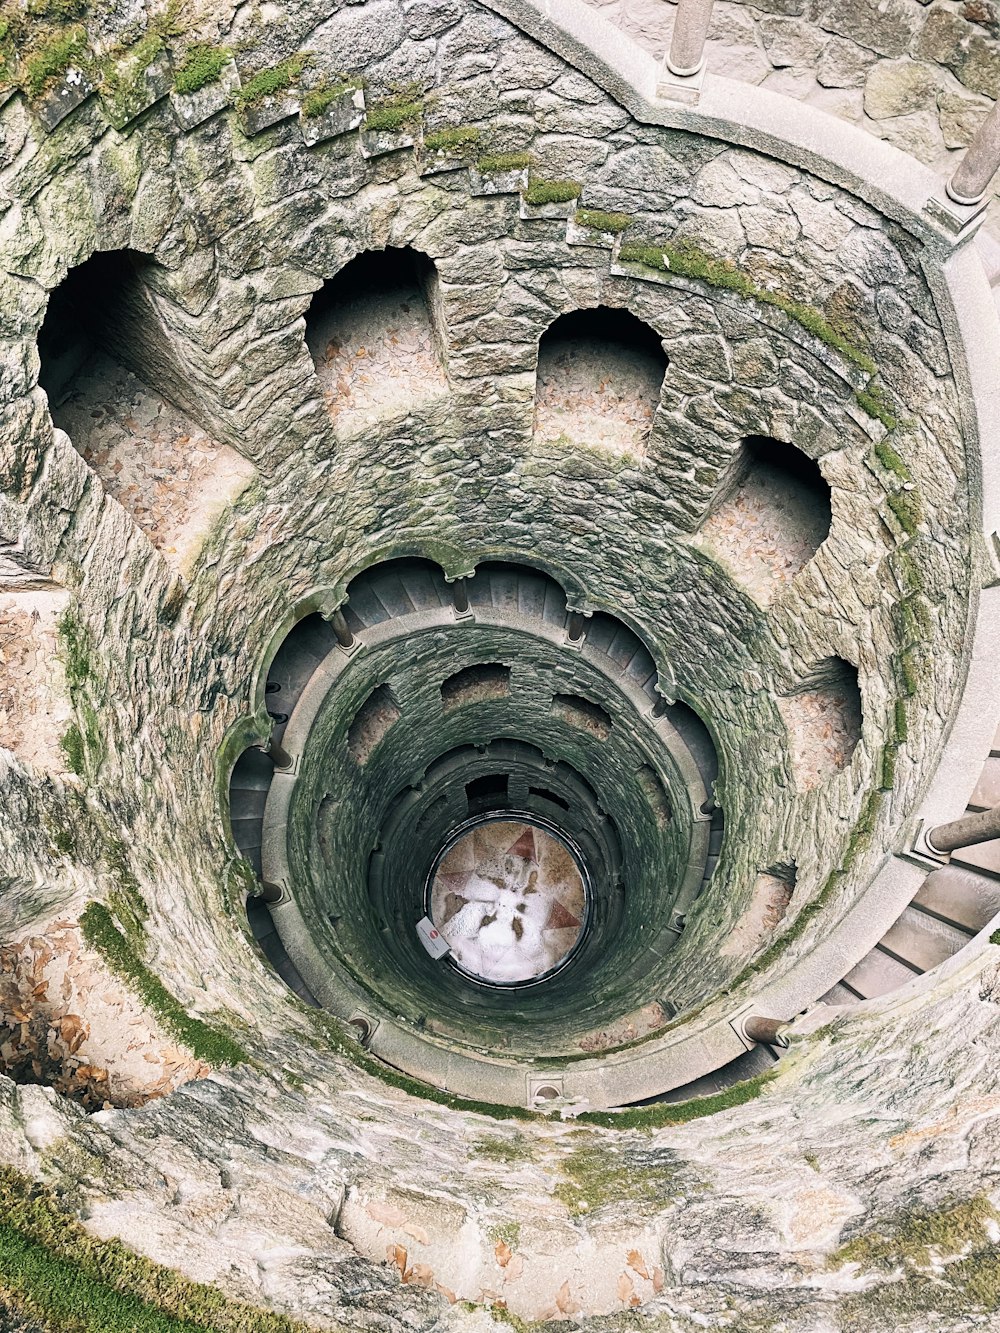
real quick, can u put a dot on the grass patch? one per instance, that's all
(51, 57)
(679, 1113)
(204, 1042)
(495, 163)
(394, 114)
(598, 220)
(461, 141)
(56, 1272)
(318, 100)
(689, 261)
(202, 65)
(552, 192)
(276, 79)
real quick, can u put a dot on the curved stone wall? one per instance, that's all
(798, 299)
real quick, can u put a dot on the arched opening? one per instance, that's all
(99, 340)
(371, 722)
(374, 332)
(582, 714)
(474, 684)
(770, 515)
(824, 718)
(599, 378)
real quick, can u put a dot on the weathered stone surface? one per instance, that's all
(895, 88)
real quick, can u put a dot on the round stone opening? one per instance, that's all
(511, 898)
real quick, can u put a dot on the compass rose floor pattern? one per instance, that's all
(509, 900)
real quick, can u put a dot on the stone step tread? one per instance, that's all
(960, 896)
(985, 857)
(987, 789)
(922, 941)
(877, 974)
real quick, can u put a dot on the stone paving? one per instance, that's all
(375, 358)
(170, 476)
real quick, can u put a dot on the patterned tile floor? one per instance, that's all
(509, 900)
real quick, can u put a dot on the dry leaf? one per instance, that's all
(503, 1253)
(625, 1287)
(636, 1263)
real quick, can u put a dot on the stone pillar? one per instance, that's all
(270, 893)
(574, 626)
(965, 832)
(980, 162)
(342, 630)
(687, 43)
(767, 1031)
(460, 595)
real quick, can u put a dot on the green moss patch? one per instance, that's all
(593, 1178)
(272, 81)
(541, 192)
(871, 399)
(679, 1113)
(688, 261)
(71, 744)
(51, 56)
(318, 100)
(202, 65)
(908, 510)
(459, 141)
(53, 1271)
(509, 1151)
(394, 114)
(598, 220)
(204, 1042)
(892, 461)
(495, 163)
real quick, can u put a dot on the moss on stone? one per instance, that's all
(900, 726)
(509, 1151)
(394, 114)
(892, 461)
(71, 744)
(495, 163)
(75, 649)
(887, 777)
(55, 1272)
(872, 400)
(598, 220)
(273, 80)
(592, 1178)
(687, 260)
(121, 77)
(908, 510)
(459, 141)
(915, 1238)
(51, 56)
(540, 192)
(319, 99)
(202, 65)
(205, 1042)
(679, 1113)
(505, 1233)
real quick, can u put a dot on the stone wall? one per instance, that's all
(245, 225)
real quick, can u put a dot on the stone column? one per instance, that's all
(965, 832)
(980, 162)
(342, 630)
(460, 596)
(687, 44)
(767, 1031)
